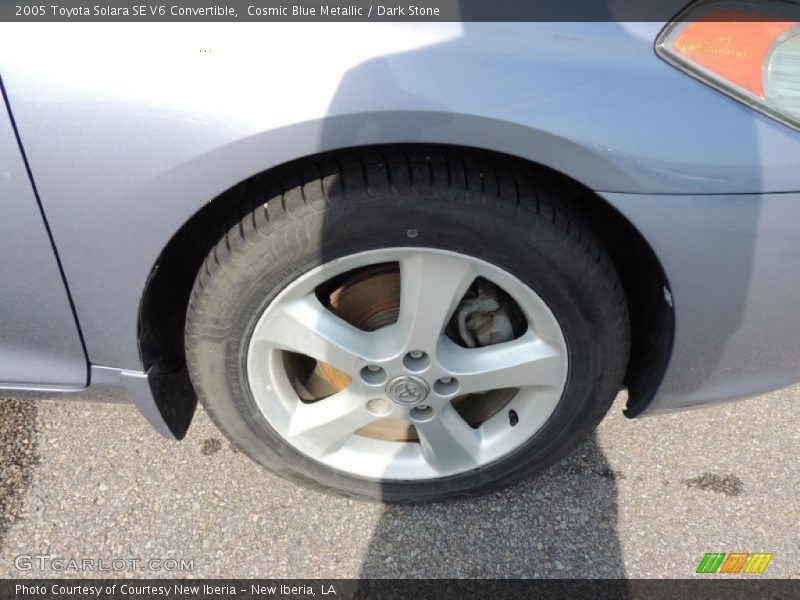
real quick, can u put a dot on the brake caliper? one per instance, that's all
(484, 319)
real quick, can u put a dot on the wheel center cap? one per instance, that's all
(407, 390)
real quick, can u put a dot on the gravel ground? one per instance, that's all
(642, 498)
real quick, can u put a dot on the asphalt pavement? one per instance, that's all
(648, 497)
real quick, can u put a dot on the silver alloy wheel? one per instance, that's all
(385, 384)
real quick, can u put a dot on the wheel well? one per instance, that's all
(166, 296)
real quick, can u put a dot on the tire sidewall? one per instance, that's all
(520, 242)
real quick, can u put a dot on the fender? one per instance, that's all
(127, 145)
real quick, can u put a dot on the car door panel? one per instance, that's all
(39, 341)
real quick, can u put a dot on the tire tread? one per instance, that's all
(272, 203)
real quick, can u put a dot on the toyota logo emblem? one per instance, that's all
(407, 390)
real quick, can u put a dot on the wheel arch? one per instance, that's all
(166, 294)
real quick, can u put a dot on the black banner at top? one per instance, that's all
(368, 10)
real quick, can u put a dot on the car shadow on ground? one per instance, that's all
(562, 524)
(18, 457)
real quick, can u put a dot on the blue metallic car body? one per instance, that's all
(126, 142)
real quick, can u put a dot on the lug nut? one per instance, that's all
(373, 375)
(446, 386)
(379, 406)
(421, 413)
(416, 361)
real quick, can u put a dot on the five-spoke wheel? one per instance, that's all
(409, 370)
(407, 324)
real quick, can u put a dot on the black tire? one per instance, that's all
(456, 200)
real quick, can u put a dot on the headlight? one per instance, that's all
(748, 50)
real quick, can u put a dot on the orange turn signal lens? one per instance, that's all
(745, 49)
(732, 47)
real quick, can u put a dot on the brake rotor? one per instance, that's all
(369, 300)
